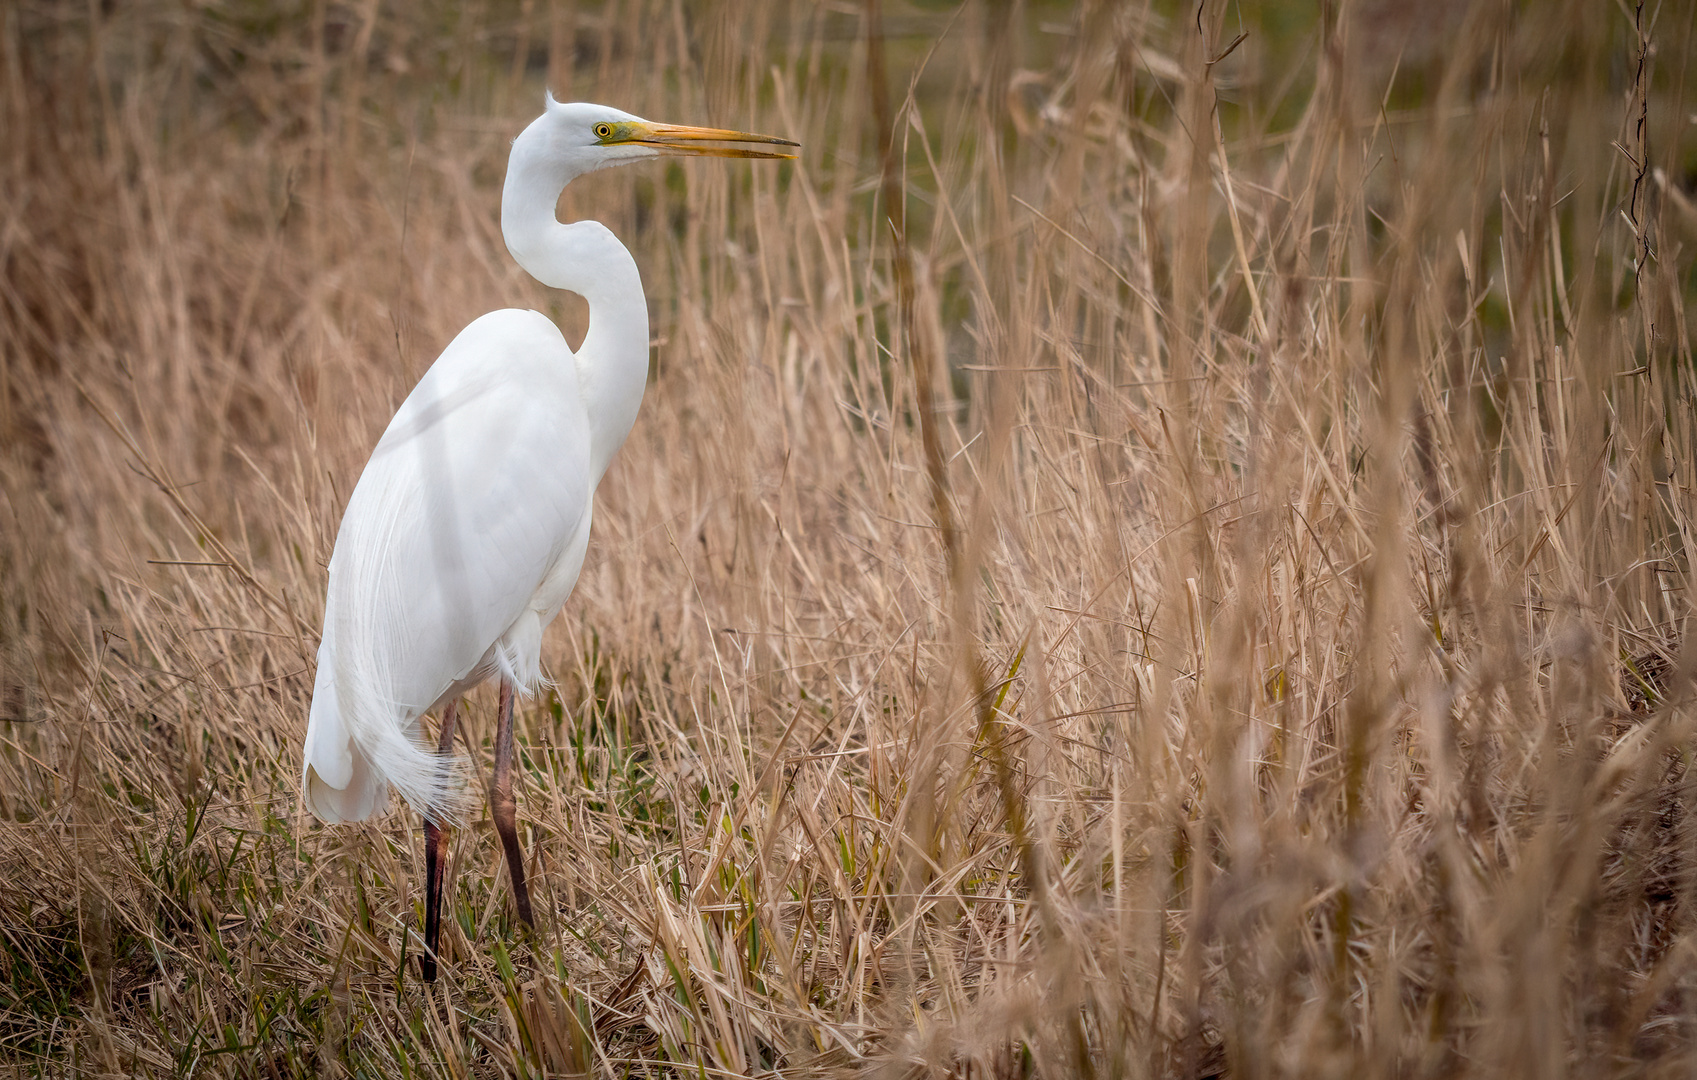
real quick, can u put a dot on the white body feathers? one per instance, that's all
(467, 529)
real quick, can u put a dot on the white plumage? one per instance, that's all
(466, 531)
(461, 541)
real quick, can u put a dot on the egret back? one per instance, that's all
(460, 541)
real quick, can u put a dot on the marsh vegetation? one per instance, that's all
(1206, 595)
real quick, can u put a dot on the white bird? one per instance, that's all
(467, 529)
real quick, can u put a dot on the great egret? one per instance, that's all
(467, 529)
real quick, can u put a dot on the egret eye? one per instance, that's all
(603, 131)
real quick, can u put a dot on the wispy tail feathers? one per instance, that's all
(386, 734)
(433, 784)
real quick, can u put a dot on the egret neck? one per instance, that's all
(584, 257)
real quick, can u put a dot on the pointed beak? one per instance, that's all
(676, 139)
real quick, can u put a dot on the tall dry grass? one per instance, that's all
(1205, 597)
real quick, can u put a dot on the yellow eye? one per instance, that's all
(603, 131)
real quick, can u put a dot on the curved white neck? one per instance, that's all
(586, 258)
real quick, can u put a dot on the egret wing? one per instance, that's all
(478, 487)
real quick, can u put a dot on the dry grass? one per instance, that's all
(1264, 657)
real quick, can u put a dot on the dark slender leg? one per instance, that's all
(435, 848)
(501, 803)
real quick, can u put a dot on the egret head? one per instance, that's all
(580, 137)
(565, 142)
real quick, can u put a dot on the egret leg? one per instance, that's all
(435, 848)
(501, 803)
